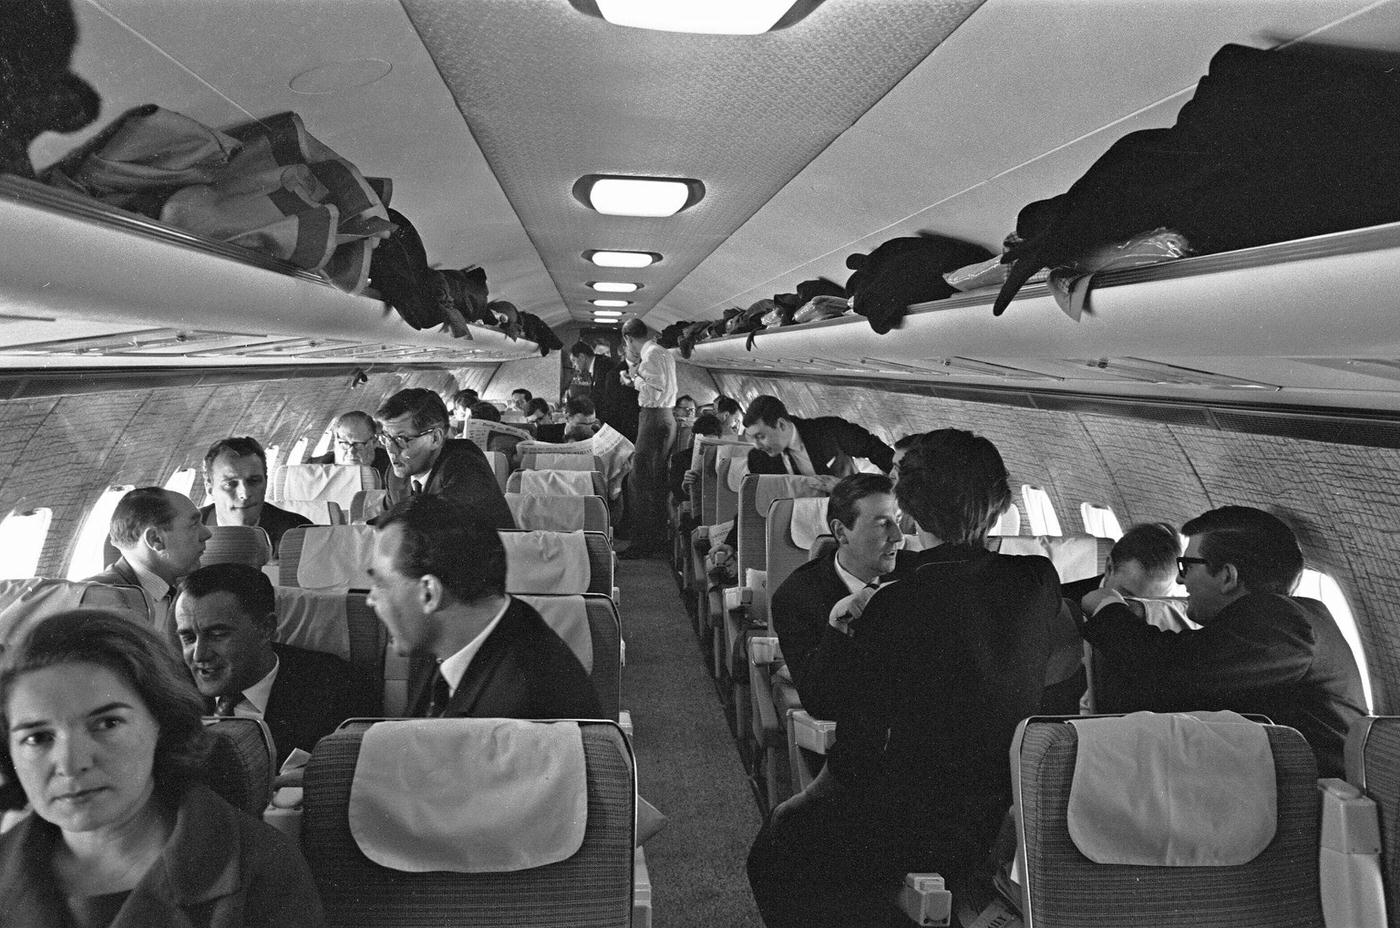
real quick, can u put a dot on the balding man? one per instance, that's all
(355, 442)
(161, 538)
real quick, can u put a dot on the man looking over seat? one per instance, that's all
(355, 442)
(864, 518)
(1257, 650)
(786, 444)
(581, 419)
(226, 619)
(1141, 564)
(438, 579)
(947, 663)
(423, 460)
(161, 538)
(235, 478)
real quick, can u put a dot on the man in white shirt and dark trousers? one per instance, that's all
(651, 371)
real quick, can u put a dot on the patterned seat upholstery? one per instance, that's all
(241, 765)
(1062, 887)
(605, 636)
(1373, 765)
(593, 887)
(237, 544)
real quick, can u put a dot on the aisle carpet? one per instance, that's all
(687, 765)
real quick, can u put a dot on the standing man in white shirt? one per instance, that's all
(651, 371)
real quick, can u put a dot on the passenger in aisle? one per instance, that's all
(439, 578)
(1256, 650)
(104, 739)
(226, 620)
(825, 446)
(651, 370)
(161, 537)
(355, 442)
(863, 516)
(235, 478)
(947, 663)
(423, 460)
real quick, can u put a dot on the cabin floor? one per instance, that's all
(687, 763)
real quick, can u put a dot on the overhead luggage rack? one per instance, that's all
(1304, 323)
(85, 284)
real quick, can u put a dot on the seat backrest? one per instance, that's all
(757, 494)
(1279, 886)
(526, 576)
(558, 483)
(326, 557)
(500, 466)
(544, 460)
(784, 555)
(1009, 523)
(25, 603)
(495, 436)
(726, 492)
(559, 513)
(237, 544)
(1076, 556)
(367, 504)
(320, 482)
(593, 887)
(1373, 765)
(242, 763)
(338, 622)
(604, 632)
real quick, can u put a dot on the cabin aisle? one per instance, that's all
(687, 764)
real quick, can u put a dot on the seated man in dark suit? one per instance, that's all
(356, 442)
(439, 579)
(235, 478)
(864, 518)
(226, 617)
(1256, 650)
(786, 444)
(423, 460)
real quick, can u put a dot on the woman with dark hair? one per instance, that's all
(105, 742)
(949, 661)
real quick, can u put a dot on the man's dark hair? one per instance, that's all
(685, 398)
(579, 348)
(1262, 547)
(137, 511)
(724, 406)
(465, 397)
(425, 406)
(486, 412)
(908, 441)
(528, 395)
(954, 484)
(635, 328)
(766, 409)
(851, 490)
(357, 415)
(1154, 545)
(249, 586)
(238, 447)
(537, 404)
(580, 406)
(450, 541)
(707, 423)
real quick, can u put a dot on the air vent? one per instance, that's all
(1140, 370)
(1169, 413)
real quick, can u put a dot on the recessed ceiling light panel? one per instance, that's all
(613, 286)
(606, 313)
(713, 17)
(611, 302)
(622, 258)
(654, 197)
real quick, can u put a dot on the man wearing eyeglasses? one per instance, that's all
(424, 461)
(1258, 649)
(355, 443)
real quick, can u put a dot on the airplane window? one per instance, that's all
(274, 455)
(87, 551)
(1009, 523)
(22, 537)
(182, 481)
(298, 453)
(1040, 513)
(324, 443)
(1314, 584)
(1100, 521)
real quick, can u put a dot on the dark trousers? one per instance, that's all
(656, 431)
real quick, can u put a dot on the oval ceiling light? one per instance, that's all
(714, 17)
(606, 313)
(622, 258)
(611, 302)
(613, 286)
(652, 197)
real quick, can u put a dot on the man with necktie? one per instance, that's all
(438, 580)
(226, 619)
(825, 446)
(161, 538)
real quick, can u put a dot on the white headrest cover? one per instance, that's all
(546, 562)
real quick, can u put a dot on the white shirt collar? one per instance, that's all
(853, 583)
(455, 667)
(155, 587)
(260, 693)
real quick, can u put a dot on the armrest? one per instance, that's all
(1350, 857)
(924, 899)
(816, 735)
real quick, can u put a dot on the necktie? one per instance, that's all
(789, 461)
(417, 487)
(441, 693)
(165, 617)
(224, 705)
